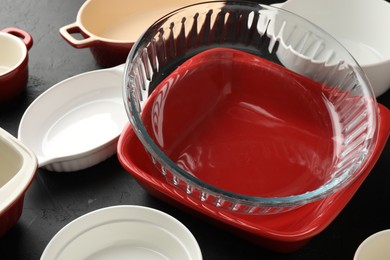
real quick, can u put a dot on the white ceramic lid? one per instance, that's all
(124, 232)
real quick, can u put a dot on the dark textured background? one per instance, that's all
(55, 199)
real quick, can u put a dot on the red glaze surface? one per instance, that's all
(283, 232)
(244, 124)
(109, 54)
(15, 81)
(10, 216)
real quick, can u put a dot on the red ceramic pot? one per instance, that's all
(109, 28)
(14, 46)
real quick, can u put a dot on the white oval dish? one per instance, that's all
(124, 232)
(76, 123)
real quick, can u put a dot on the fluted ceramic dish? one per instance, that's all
(361, 26)
(124, 232)
(184, 42)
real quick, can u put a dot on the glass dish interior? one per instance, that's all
(289, 49)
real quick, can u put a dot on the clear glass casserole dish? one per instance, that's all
(248, 107)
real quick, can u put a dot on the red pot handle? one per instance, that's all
(25, 36)
(67, 31)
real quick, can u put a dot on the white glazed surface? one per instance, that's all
(76, 123)
(124, 232)
(12, 52)
(362, 26)
(375, 247)
(18, 166)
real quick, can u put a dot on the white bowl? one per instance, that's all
(362, 26)
(123, 232)
(375, 247)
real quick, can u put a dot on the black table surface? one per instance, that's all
(55, 199)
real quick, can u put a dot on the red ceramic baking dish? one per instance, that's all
(284, 232)
(18, 166)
